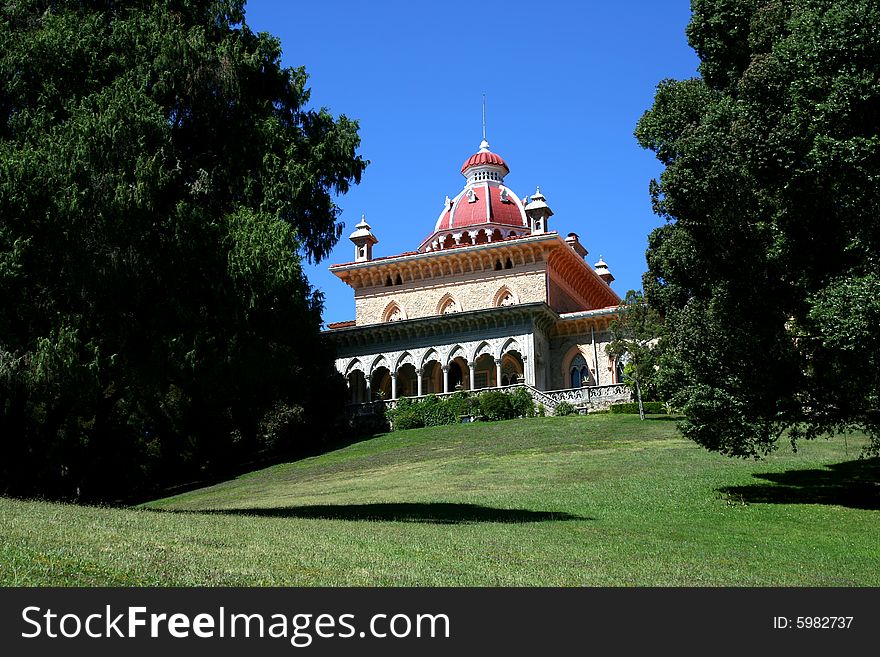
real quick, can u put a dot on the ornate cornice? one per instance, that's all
(535, 315)
(415, 266)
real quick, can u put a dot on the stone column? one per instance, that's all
(471, 365)
(497, 372)
(369, 392)
(419, 381)
(394, 385)
(445, 378)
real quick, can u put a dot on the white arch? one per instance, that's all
(482, 348)
(512, 344)
(431, 354)
(355, 365)
(454, 353)
(404, 359)
(379, 361)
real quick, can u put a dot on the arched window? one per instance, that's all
(505, 297)
(579, 372)
(448, 305)
(393, 313)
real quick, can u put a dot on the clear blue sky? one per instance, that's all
(565, 84)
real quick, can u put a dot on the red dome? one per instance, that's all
(484, 157)
(487, 208)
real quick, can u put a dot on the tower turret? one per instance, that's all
(538, 212)
(363, 240)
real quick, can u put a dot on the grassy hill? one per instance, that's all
(600, 500)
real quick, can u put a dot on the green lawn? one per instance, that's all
(598, 500)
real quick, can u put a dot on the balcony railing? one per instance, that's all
(586, 397)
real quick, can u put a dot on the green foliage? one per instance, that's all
(432, 411)
(636, 338)
(653, 407)
(160, 175)
(564, 408)
(496, 405)
(766, 271)
(436, 412)
(522, 403)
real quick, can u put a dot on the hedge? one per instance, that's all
(433, 411)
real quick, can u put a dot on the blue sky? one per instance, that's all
(565, 84)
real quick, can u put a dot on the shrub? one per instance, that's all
(564, 408)
(522, 403)
(462, 403)
(407, 418)
(496, 405)
(405, 415)
(633, 407)
(436, 411)
(540, 410)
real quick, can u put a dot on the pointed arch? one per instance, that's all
(448, 304)
(484, 348)
(510, 345)
(456, 352)
(393, 312)
(354, 365)
(405, 358)
(505, 297)
(576, 370)
(430, 355)
(379, 361)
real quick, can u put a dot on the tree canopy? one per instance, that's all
(767, 271)
(161, 176)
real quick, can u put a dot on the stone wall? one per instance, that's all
(472, 291)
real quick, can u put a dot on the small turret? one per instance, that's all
(538, 213)
(363, 240)
(603, 272)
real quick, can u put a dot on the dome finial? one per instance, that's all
(484, 145)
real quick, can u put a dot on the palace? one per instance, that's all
(491, 298)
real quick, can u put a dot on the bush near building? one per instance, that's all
(431, 411)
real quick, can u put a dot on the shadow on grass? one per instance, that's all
(434, 512)
(854, 484)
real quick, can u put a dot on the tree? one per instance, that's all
(766, 272)
(160, 175)
(635, 339)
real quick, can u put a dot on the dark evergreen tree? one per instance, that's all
(767, 271)
(161, 175)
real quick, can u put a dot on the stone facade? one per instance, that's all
(471, 291)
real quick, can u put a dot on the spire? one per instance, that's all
(484, 123)
(484, 145)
